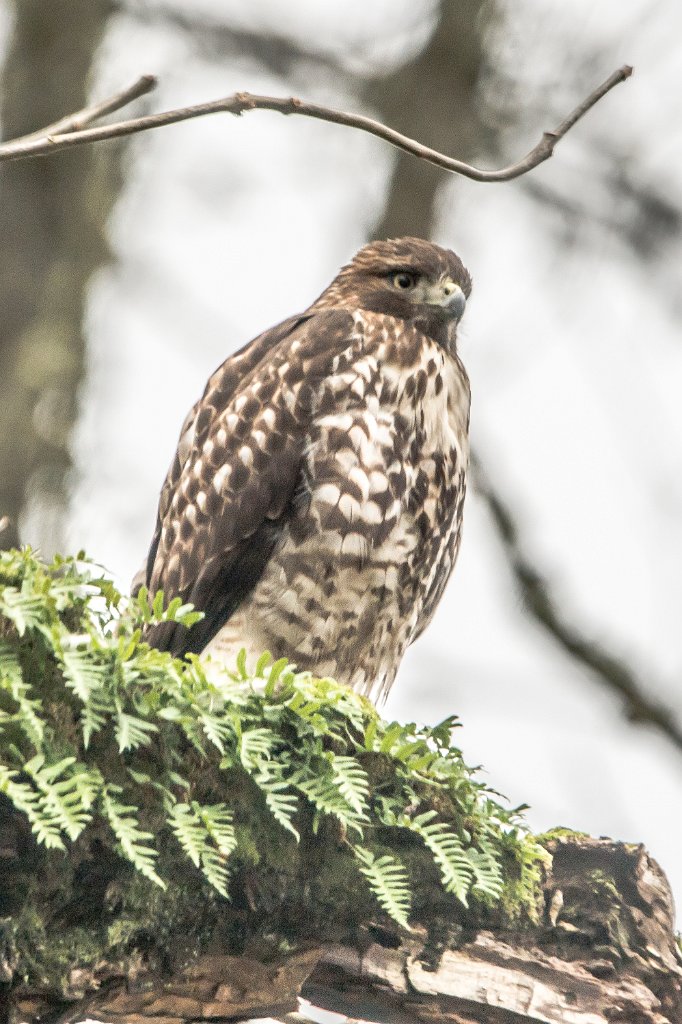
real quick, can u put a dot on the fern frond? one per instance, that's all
(281, 802)
(207, 836)
(325, 796)
(388, 881)
(27, 800)
(189, 831)
(27, 715)
(65, 799)
(216, 729)
(448, 852)
(256, 745)
(215, 870)
(10, 668)
(82, 675)
(352, 782)
(132, 732)
(218, 820)
(488, 877)
(131, 838)
(23, 609)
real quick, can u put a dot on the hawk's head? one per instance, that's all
(407, 278)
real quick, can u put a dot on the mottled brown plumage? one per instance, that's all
(314, 505)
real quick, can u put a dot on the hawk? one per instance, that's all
(314, 505)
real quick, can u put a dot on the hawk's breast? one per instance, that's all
(375, 522)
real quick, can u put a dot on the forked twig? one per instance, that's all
(69, 131)
(81, 118)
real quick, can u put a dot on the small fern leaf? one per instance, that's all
(25, 798)
(131, 838)
(27, 715)
(189, 831)
(488, 877)
(449, 854)
(324, 795)
(215, 871)
(388, 881)
(207, 835)
(281, 802)
(352, 782)
(132, 732)
(24, 610)
(10, 669)
(65, 799)
(217, 730)
(82, 675)
(255, 746)
(94, 715)
(218, 822)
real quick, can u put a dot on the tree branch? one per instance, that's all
(55, 138)
(81, 118)
(536, 592)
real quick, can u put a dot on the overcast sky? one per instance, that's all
(572, 341)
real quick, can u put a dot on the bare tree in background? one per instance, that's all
(53, 215)
(435, 98)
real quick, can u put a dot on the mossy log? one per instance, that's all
(177, 847)
(602, 950)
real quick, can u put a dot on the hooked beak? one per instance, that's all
(454, 299)
(448, 295)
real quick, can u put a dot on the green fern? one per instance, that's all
(25, 610)
(488, 877)
(67, 793)
(27, 715)
(27, 800)
(352, 782)
(131, 838)
(280, 801)
(132, 732)
(207, 836)
(256, 745)
(448, 852)
(388, 881)
(325, 796)
(73, 667)
(82, 674)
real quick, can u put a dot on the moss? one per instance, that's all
(558, 833)
(300, 771)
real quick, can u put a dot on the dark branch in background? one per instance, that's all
(609, 669)
(218, 40)
(48, 140)
(639, 213)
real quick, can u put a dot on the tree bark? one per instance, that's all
(602, 951)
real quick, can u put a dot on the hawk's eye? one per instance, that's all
(404, 279)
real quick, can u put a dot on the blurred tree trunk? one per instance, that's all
(433, 98)
(52, 218)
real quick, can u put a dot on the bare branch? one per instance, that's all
(76, 122)
(609, 669)
(49, 140)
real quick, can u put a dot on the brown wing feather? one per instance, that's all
(230, 487)
(219, 389)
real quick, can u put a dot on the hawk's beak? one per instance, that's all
(449, 296)
(454, 299)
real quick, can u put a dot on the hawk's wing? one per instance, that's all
(229, 491)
